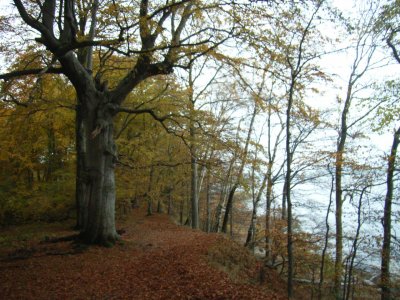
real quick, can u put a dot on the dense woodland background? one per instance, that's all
(274, 122)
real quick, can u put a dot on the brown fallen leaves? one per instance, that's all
(155, 260)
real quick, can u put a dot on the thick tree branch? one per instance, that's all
(389, 41)
(49, 12)
(20, 73)
(47, 38)
(68, 34)
(73, 45)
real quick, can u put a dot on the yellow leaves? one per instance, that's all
(388, 111)
(315, 90)
(258, 100)
(29, 59)
(26, 132)
(198, 13)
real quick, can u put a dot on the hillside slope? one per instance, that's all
(156, 259)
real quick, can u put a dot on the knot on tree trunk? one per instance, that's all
(105, 114)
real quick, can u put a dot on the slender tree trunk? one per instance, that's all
(361, 64)
(170, 208)
(347, 287)
(322, 269)
(387, 221)
(149, 192)
(196, 176)
(339, 229)
(250, 240)
(29, 178)
(251, 231)
(313, 284)
(387, 213)
(208, 222)
(181, 208)
(346, 274)
(202, 175)
(268, 222)
(338, 194)
(194, 196)
(296, 68)
(149, 206)
(188, 221)
(228, 208)
(287, 191)
(218, 213)
(270, 183)
(284, 201)
(92, 32)
(229, 203)
(231, 222)
(224, 189)
(51, 154)
(159, 206)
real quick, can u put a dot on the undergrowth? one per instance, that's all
(235, 260)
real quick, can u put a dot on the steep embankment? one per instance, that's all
(156, 260)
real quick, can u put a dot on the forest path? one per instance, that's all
(156, 259)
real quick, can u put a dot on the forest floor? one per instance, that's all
(155, 259)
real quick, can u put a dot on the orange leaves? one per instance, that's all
(157, 260)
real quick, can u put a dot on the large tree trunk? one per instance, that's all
(100, 158)
(81, 178)
(80, 183)
(85, 57)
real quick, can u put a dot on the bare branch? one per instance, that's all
(145, 111)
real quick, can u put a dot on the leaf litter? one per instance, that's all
(155, 259)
